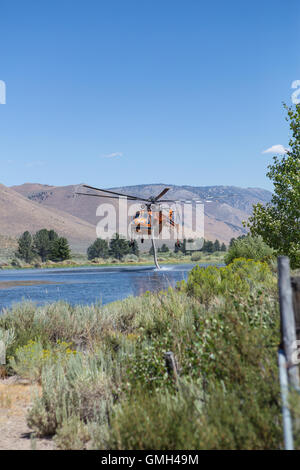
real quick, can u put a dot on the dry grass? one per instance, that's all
(15, 400)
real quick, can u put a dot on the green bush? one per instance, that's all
(29, 360)
(195, 418)
(222, 326)
(78, 388)
(73, 434)
(236, 279)
(197, 256)
(250, 248)
(130, 258)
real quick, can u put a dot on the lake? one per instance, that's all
(86, 285)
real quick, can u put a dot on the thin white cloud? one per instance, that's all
(113, 155)
(34, 163)
(279, 149)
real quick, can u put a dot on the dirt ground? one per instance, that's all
(15, 399)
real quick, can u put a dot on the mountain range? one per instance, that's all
(32, 206)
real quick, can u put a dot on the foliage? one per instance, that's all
(134, 248)
(26, 248)
(196, 256)
(200, 419)
(118, 247)
(233, 240)
(60, 249)
(208, 246)
(42, 243)
(228, 391)
(217, 245)
(78, 389)
(99, 249)
(30, 359)
(164, 248)
(236, 279)
(222, 326)
(250, 248)
(73, 434)
(46, 244)
(131, 258)
(279, 221)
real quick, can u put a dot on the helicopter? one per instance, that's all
(149, 217)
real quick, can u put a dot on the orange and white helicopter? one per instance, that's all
(149, 217)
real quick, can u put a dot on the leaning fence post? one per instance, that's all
(171, 366)
(288, 329)
(286, 414)
(295, 281)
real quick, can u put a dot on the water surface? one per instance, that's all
(86, 285)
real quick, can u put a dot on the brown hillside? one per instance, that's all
(223, 219)
(18, 213)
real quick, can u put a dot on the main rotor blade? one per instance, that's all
(114, 192)
(207, 199)
(100, 195)
(164, 191)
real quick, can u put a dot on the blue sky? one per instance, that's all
(125, 92)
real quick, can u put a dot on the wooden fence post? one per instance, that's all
(171, 366)
(288, 328)
(295, 281)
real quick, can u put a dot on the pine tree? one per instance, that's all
(99, 249)
(164, 249)
(25, 247)
(42, 244)
(118, 247)
(208, 246)
(223, 247)
(217, 245)
(60, 249)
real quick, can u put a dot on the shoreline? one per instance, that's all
(105, 265)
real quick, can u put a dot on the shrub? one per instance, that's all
(72, 435)
(17, 263)
(197, 419)
(197, 256)
(22, 319)
(250, 248)
(99, 249)
(30, 359)
(131, 258)
(78, 389)
(236, 279)
(222, 326)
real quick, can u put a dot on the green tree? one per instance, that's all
(164, 248)
(217, 245)
(99, 249)
(60, 249)
(223, 247)
(208, 246)
(250, 248)
(118, 247)
(52, 235)
(42, 244)
(26, 248)
(279, 221)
